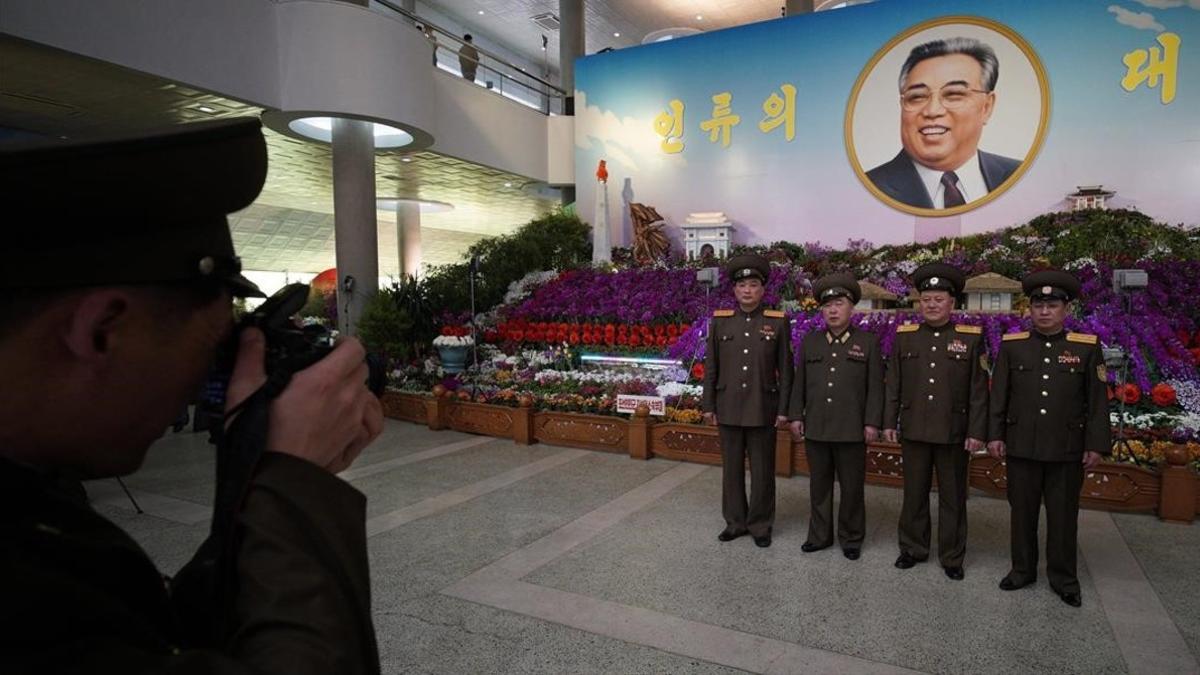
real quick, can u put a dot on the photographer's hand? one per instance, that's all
(325, 415)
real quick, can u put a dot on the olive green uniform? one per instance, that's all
(937, 390)
(1049, 405)
(838, 389)
(747, 377)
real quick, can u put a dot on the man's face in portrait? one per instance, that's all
(943, 110)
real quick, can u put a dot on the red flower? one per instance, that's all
(622, 339)
(671, 339)
(672, 330)
(587, 338)
(516, 335)
(610, 329)
(562, 327)
(635, 340)
(609, 340)
(622, 329)
(447, 330)
(659, 329)
(1163, 394)
(685, 327)
(573, 338)
(1129, 393)
(698, 371)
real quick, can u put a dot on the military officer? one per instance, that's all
(1049, 419)
(837, 405)
(747, 375)
(937, 392)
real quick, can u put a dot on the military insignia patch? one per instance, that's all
(957, 347)
(766, 331)
(1102, 373)
(1069, 359)
(856, 352)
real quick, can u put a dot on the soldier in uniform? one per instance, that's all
(1049, 419)
(747, 376)
(937, 392)
(837, 405)
(115, 296)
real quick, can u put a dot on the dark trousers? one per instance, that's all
(759, 444)
(951, 462)
(1058, 484)
(848, 461)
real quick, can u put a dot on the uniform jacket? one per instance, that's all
(747, 367)
(838, 387)
(898, 178)
(1049, 399)
(81, 596)
(937, 384)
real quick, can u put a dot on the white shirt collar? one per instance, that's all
(970, 181)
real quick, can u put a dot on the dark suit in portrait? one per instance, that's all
(898, 178)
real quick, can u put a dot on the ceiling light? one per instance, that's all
(427, 206)
(508, 185)
(699, 17)
(616, 35)
(481, 12)
(406, 159)
(204, 108)
(321, 129)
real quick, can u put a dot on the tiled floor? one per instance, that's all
(492, 557)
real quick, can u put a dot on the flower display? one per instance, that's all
(1128, 394)
(1163, 394)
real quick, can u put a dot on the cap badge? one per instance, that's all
(746, 272)
(933, 281)
(207, 265)
(1046, 290)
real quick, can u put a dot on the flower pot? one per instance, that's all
(454, 359)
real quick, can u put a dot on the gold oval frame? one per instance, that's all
(1039, 138)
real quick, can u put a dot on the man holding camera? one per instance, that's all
(1049, 420)
(115, 299)
(937, 390)
(747, 373)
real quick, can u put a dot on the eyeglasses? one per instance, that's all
(952, 98)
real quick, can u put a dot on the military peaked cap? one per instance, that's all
(837, 285)
(747, 266)
(143, 210)
(938, 277)
(1054, 284)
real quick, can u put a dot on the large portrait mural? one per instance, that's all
(947, 115)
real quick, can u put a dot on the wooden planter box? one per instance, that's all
(1172, 492)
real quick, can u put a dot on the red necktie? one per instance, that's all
(951, 197)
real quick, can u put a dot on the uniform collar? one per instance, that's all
(841, 339)
(755, 312)
(1053, 338)
(948, 326)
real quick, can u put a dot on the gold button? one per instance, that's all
(934, 348)
(1047, 359)
(835, 355)
(931, 380)
(932, 364)
(832, 368)
(747, 318)
(931, 397)
(1045, 376)
(743, 385)
(937, 335)
(829, 400)
(745, 351)
(1047, 345)
(747, 335)
(1045, 393)
(831, 384)
(745, 367)
(1042, 411)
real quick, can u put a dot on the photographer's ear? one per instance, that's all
(94, 323)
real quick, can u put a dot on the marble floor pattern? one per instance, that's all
(491, 557)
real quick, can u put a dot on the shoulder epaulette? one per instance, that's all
(1016, 336)
(970, 330)
(723, 312)
(1084, 338)
(773, 313)
(908, 327)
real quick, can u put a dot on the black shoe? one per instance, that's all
(1007, 584)
(955, 573)
(726, 535)
(763, 541)
(851, 553)
(809, 548)
(1072, 599)
(906, 561)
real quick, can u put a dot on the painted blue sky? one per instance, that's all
(806, 190)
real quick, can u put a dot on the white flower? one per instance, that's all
(678, 389)
(523, 287)
(453, 341)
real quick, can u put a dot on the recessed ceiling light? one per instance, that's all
(508, 185)
(206, 109)
(406, 159)
(481, 12)
(616, 35)
(699, 17)
(321, 129)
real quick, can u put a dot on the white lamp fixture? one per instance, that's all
(427, 206)
(321, 129)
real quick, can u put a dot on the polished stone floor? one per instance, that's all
(489, 557)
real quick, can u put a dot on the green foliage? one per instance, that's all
(556, 241)
(398, 322)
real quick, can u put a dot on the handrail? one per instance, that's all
(547, 89)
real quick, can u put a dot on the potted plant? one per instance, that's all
(452, 346)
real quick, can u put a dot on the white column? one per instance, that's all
(601, 245)
(408, 238)
(356, 239)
